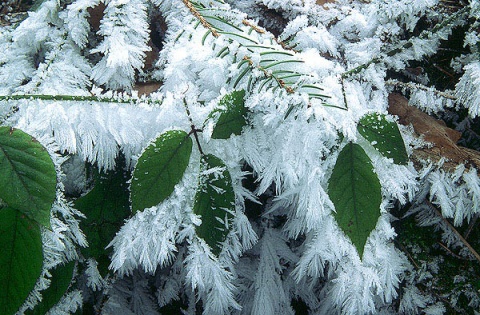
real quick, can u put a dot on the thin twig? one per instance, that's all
(460, 237)
(413, 86)
(344, 93)
(404, 249)
(471, 226)
(449, 251)
(90, 98)
(193, 130)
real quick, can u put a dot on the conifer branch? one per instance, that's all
(202, 20)
(253, 26)
(267, 75)
(238, 34)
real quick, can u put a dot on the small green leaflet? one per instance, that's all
(21, 258)
(60, 281)
(385, 136)
(214, 201)
(160, 168)
(106, 207)
(230, 115)
(355, 191)
(28, 179)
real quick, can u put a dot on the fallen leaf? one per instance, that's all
(442, 138)
(323, 2)
(146, 88)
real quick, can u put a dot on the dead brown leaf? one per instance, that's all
(147, 88)
(323, 2)
(444, 139)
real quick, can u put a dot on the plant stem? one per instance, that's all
(449, 251)
(193, 130)
(90, 98)
(195, 135)
(344, 93)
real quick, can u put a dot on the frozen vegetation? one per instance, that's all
(273, 115)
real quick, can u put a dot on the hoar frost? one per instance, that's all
(294, 249)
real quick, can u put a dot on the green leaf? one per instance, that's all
(384, 135)
(20, 260)
(60, 282)
(214, 201)
(160, 168)
(355, 191)
(106, 207)
(28, 178)
(230, 115)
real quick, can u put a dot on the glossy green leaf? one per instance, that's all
(355, 191)
(230, 115)
(384, 135)
(214, 201)
(28, 178)
(106, 207)
(60, 282)
(21, 258)
(160, 168)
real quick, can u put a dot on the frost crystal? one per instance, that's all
(309, 74)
